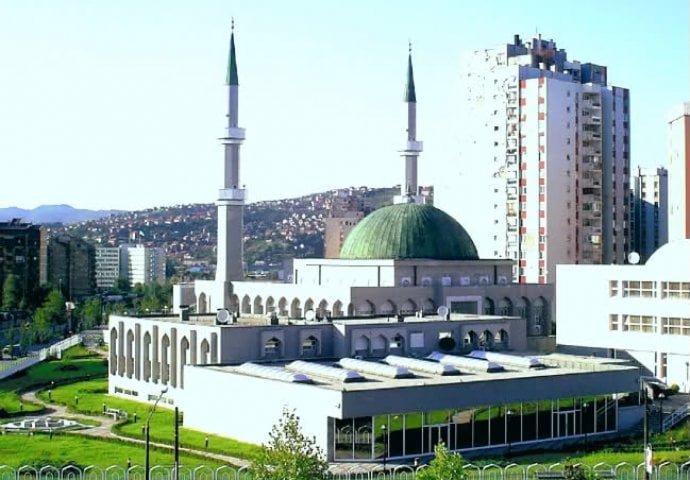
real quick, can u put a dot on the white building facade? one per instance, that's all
(679, 172)
(548, 151)
(641, 311)
(649, 211)
(144, 265)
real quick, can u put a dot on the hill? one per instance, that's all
(274, 230)
(64, 214)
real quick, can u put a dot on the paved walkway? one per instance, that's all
(104, 430)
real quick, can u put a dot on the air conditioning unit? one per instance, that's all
(446, 281)
(464, 281)
(406, 282)
(426, 281)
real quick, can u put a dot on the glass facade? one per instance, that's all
(412, 434)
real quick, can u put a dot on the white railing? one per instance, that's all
(9, 368)
(676, 417)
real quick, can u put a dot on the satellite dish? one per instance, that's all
(633, 258)
(223, 316)
(442, 311)
(309, 315)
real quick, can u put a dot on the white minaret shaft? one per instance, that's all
(409, 189)
(231, 197)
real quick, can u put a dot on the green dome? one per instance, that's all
(408, 230)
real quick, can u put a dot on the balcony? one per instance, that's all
(237, 194)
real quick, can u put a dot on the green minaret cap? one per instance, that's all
(410, 96)
(231, 78)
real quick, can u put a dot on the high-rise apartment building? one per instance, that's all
(107, 267)
(136, 263)
(23, 254)
(679, 172)
(649, 211)
(71, 266)
(546, 154)
(140, 264)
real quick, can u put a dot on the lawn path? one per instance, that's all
(105, 430)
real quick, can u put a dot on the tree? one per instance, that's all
(91, 312)
(11, 292)
(446, 465)
(290, 455)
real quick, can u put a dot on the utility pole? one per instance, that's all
(177, 444)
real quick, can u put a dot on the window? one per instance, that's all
(638, 323)
(613, 288)
(635, 288)
(614, 322)
(675, 326)
(675, 289)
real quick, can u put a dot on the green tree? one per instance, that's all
(289, 455)
(53, 308)
(90, 312)
(446, 465)
(11, 292)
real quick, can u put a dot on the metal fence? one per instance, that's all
(622, 471)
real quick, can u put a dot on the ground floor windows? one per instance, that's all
(417, 433)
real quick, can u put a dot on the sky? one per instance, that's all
(119, 104)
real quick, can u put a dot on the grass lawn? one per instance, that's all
(92, 394)
(41, 375)
(605, 456)
(78, 352)
(17, 450)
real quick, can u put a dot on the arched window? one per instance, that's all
(282, 307)
(203, 352)
(486, 340)
(270, 305)
(165, 355)
(113, 351)
(489, 308)
(523, 308)
(129, 353)
(295, 310)
(246, 304)
(337, 309)
(397, 345)
(505, 307)
(184, 351)
(310, 346)
(387, 308)
(471, 340)
(272, 348)
(408, 307)
(258, 306)
(501, 340)
(362, 345)
(201, 303)
(147, 357)
(379, 346)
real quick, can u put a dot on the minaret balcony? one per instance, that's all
(232, 194)
(234, 133)
(413, 146)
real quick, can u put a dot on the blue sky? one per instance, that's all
(109, 104)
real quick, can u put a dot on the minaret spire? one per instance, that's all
(409, 189)
(231, 197)
(231, 78)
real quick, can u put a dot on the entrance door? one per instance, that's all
(564, 423)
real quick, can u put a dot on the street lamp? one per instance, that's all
(509, 415)
(147, 438)
(384, 430)
(583, 425)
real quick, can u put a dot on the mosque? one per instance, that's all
(406, 340)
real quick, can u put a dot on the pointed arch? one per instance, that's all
(337, 309)
(234, 304)
(295, 310)
(165, 363)
(273, 348)
(270, 304)
(113, 351)
(203, 352)
(523, 308)
(184, 358)
(501, 340)
(408, 307)
(540, 317)
(308, 305)
(322, 310)
(471, 340)
(258, 306)
(429, 306)
(486, 340)
(505, 307)
(489, 307)
(350, 310)
(379, 346)
(366, 308)
(362, 346)
(310, 346)
(388, 308)
(129, 354)
(282, 307)
(147, 357)
(201, 305)
(246, 305)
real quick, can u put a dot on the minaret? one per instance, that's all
(231, 198)
(409, 189)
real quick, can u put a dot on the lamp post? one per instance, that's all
(147, 466)
(509, 415)
(384, 437)
(646, 429)
(583, 425)
(662, 396)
